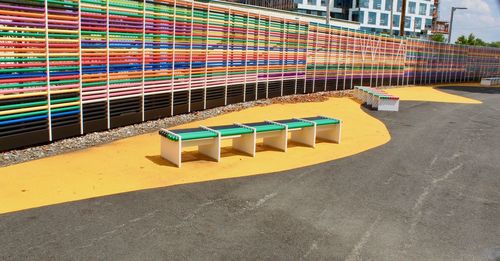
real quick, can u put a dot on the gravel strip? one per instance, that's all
(98, 138)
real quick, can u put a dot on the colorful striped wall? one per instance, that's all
(71, 67)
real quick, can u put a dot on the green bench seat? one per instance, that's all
(231, 130)
(322, 120)
(189, 134)
(265, 126)
(295, 124)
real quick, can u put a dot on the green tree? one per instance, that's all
(438, 38)
(470, 40)
(494, 44)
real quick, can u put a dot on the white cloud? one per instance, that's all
(482, 18)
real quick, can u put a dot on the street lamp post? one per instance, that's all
(328, 3)
(451, 20)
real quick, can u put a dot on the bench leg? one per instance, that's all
(330, 133)
(306, 136)
(278, 142)
(171, 151)
(246, 143)
(369, 99)
(375, 102)
(211, 150)
(388, 105)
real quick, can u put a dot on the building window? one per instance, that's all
(400, 5)
(431, 9)
(361, 17)
(372, 18)
(377, 4)
(298, 1)
(418, 23)
(384, 19)
(407, 22)
(323, 2)
(395, 20)
(412, 6)
(428, 23)
(388, 5)
(423, 9)
(364, 3)
(311, 2)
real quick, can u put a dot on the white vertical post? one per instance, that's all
(206, 58)
(296, 56)
(191, 58)
(307, 56)
(339, 47)
(354, 47)
(107, 67)
(328, 54)
(284, 54)
(143, 55)
(227, 53)
(80, 62)
(257, 59)
(363, 56)
(316, 55)
(268, 55)
(372, 56)
(47, 68)
(392, 50)
(173, 60)
(246, 58)
(346, 46)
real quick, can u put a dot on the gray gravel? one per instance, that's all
(97, 138)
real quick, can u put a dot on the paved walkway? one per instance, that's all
(431, 193)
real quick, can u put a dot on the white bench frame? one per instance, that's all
(211, 147)
(490, 81)
(329, 132)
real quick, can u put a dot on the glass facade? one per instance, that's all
(384, 19)
(395, 21)
(364, 3)
(408, 22)
(372, 18)
(428, 23)
(423, 9)
(377, 4)
(412, 6)
(388, 4)
(418, 23)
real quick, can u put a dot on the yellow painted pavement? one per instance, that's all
(429, 93)
(134, 163)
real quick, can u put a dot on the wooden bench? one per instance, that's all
(244, 136)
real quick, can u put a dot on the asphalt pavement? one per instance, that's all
(431, 193)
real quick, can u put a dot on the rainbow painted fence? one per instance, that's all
(71, 67)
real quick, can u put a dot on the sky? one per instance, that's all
(482, 18)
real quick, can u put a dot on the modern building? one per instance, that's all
(375, 15)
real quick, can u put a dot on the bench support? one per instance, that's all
(306, 136)
(275, 139)
(388, 105)
(329, 132)
(246, 144)
(211, 150)
(171, 150)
